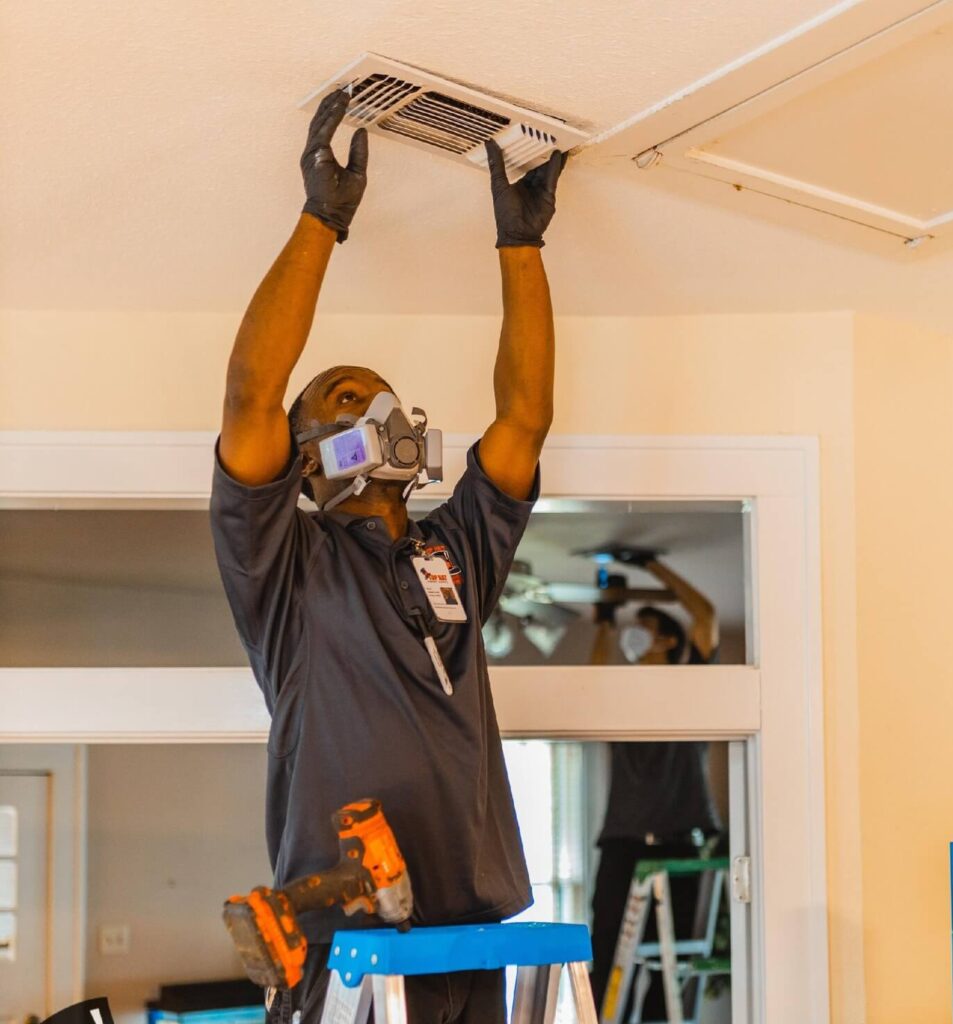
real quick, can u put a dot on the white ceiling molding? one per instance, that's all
(750, 123)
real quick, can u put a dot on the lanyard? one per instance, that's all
(429, 643)
(431, 646)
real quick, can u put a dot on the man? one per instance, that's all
(660, 803)
(370, 693)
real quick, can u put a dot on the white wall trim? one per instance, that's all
(778, 704)
(171, 469)
(224, 705)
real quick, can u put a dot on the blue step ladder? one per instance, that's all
(370, 966)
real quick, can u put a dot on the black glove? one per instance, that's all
(333, 191)
(523, 211)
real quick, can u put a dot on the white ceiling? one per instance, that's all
(149, 155)
(877, 165)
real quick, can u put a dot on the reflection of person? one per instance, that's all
(370, 693)
(660, 803)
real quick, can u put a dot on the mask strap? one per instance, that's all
(324, 429)
(412, 485)
(355, 487)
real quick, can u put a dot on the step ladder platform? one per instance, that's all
(470, 947)
(680, 866)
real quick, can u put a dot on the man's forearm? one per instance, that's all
(278, 321)
(691, 599)
(523, 375)
(704, 628)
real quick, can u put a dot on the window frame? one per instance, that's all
(774, 704)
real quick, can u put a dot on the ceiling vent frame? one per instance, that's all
(437, 115)
(674, 133)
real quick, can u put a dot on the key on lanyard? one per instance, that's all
(438, 664)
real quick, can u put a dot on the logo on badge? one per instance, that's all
(456, 573)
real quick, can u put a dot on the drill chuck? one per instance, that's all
(395, 903)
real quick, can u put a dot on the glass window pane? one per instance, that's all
(617, 583)
(529, 764)
(128, 588)
(612, 807)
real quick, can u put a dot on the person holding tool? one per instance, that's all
(660, 802)
(363, 627)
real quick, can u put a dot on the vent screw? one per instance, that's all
(915, 243)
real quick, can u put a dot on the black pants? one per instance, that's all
(463, 997)
(616, 866)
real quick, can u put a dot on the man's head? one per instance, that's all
(668, 635)
(339, 391)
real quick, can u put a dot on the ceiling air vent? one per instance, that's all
(426, 111)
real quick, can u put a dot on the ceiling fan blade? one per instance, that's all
(546, 614)
(626, 554)
(587, 593)
(544, 638)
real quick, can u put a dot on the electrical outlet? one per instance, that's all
(113, 939)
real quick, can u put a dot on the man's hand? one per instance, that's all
(333, 191)
(523, 211)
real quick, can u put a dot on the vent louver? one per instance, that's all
(423, 110)
(445, 122)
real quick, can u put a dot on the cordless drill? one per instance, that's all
(370, 876)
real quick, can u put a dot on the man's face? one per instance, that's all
(661, 644)
(340, 391)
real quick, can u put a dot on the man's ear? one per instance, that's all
(310, 466)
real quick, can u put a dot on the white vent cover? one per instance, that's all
(430, 112)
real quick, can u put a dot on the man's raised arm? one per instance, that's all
(256, 443)
(523, 375)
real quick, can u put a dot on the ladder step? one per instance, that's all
(455, 948)
(693, 866)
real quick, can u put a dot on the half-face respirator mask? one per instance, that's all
(383, 444)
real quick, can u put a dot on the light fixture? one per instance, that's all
(498, 636)
(545, 638)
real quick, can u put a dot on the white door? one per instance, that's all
(24, 896)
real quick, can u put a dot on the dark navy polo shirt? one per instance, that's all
(328, 609)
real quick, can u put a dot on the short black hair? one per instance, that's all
(668, 626)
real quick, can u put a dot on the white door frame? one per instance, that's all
(66, 930)
(775, 703)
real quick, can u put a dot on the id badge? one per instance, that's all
(434, 576)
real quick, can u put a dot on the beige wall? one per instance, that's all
(904, 454)
(692, 375)
(173, 830)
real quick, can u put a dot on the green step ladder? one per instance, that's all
(679, 961)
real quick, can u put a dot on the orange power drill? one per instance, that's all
(370, 876)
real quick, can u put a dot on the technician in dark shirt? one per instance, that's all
(660, 803)
(331, 610)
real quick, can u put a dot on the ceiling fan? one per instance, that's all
(539, 605)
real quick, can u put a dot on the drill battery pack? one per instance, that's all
(267, 937)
